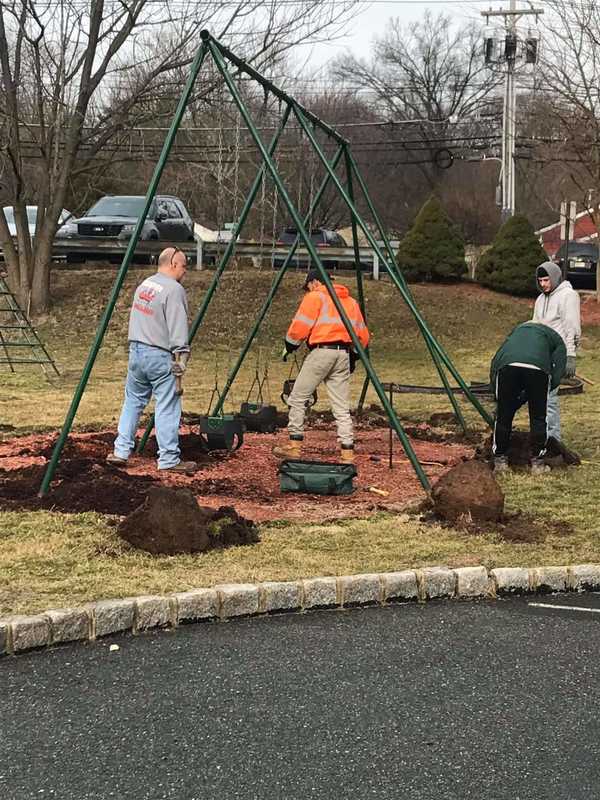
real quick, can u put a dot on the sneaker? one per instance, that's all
(182, 468)
(115, 460)
(500, 464)
(538, 466)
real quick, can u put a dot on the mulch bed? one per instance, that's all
(246, 480)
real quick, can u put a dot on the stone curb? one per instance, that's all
(228, 601)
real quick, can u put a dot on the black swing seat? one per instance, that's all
(316, 477)
(258, 417)
(287, 390)
(224, 432)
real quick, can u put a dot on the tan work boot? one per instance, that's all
(291, 450)
(347, 455)
(182, 468)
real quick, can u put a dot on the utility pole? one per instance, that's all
(509, 51)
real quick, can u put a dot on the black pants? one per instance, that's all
(516, 386)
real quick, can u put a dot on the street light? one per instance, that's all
(500, 174)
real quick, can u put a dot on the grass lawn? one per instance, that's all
(50, 559)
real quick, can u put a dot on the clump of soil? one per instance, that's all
(468, 490)
(519, 453)
(170, 522)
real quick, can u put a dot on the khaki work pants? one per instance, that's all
(332, 368)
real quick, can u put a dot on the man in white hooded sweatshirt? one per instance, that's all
(558, 307)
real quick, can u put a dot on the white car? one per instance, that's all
(31, 219)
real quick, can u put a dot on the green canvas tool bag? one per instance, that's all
(316, 477)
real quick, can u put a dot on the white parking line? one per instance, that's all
(565, 608)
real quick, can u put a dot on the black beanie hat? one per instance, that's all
(542, 272)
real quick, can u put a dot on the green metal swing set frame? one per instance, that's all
(308, 123)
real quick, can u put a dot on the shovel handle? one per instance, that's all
(178, 378)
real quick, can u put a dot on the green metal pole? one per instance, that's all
(242, 66)
(359, 280)
(435, 357)
(183, 100)
(406, 295)
(273, 291)
(226, 256)
(317, 261)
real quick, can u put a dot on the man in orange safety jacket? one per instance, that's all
(331, 361)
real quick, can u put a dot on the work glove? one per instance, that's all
(179, 364)
(571, 367)
(353, 357)
(288, 348)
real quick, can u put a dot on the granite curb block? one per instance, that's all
(231, 600)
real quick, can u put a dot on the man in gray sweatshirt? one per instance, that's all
(158, 353)
(558, 307)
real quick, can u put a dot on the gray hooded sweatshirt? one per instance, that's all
(159, 314)
(559, 309)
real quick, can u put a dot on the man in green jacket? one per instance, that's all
(531, 361)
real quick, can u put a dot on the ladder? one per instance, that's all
(19, 340)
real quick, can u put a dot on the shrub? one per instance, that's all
(433, 249)
(509, 265)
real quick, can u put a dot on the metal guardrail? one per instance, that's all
(204, 254)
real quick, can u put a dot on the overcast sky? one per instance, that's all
(372, 22)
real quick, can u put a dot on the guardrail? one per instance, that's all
(204, 254)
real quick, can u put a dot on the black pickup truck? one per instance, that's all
(114, 218)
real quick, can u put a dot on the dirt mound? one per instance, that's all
(170, 521)
(519, 453)
(468, 489)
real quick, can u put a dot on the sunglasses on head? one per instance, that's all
(174, 253)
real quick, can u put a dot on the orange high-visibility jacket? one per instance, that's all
(318, 322)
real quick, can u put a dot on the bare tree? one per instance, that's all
(571, 77)
(431, 73)
(75, 76)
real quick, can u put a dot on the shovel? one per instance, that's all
(178, 378)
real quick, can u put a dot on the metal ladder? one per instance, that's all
(19, 340)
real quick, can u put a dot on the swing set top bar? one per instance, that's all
(206, 36)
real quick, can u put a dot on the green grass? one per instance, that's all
(49, 559)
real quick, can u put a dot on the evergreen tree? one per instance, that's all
(509, 265)
(433, 249)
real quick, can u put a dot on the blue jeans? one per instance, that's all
(149, 373)
(553, 414)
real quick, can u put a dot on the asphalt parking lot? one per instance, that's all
(495, 700)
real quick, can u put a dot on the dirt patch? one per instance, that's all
(517, 528)
(170, 521)
(468, 490)
(519, 453)
(246, 480)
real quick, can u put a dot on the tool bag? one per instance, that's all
(316, 477)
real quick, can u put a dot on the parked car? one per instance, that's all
(116, 216)
(321, 237)
(581, 269)
(31, 218)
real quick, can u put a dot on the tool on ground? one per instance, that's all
(316, 477)
(381, 492)
(585, 380)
